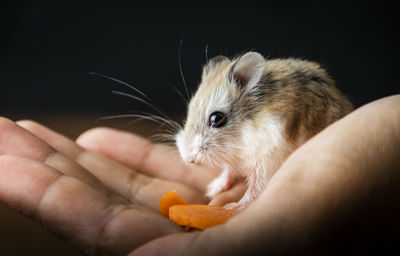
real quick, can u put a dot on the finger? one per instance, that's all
(135, 186)
(58, 141)
(153, 159)
(131, 185)
(14, 140)
(75, 211)
(234, 194)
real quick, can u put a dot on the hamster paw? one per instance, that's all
(215, 187)
(219, 184)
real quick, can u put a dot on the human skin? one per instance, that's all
(340, 190)
(93, 202)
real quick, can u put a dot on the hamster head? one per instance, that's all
(223, 101)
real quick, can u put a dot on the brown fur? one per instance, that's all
(305, 95)
(298, 90)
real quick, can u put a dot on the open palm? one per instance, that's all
(93, 202)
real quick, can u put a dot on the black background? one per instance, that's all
(47, 49)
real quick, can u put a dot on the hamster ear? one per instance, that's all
(247, 70)
(212, 63)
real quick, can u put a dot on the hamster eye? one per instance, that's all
(217, 119)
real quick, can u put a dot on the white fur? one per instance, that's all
(180, 144)
(219, 184)
(264, 151)
(260, 142)
(220, 101)
(190, 151)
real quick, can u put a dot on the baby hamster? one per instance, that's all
(250, 113)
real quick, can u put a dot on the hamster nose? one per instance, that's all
(191, 159)
(188, 158)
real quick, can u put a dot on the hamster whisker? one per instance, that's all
(166, 132)
(163, 138)
(214, 158)
(173, 124)
(147, 102)
(166, 136)
(210, 161)
(221, 154)
(226, 155)
(141, 100)
(232, 146)
(206, 51)
(185, 100)
(170, 131)
(180, 68)
(139, 117)
(121, 82)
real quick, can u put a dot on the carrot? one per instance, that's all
(168, 200)
(199, 216)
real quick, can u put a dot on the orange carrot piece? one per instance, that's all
(199, 216)
(168, 200)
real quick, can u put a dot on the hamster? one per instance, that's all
(249, 113)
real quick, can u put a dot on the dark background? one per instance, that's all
(47, 50)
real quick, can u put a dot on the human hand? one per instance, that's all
(94, 203)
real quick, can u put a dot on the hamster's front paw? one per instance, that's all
(215, 187)
(219, 184)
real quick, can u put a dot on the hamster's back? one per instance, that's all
(304, 95)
